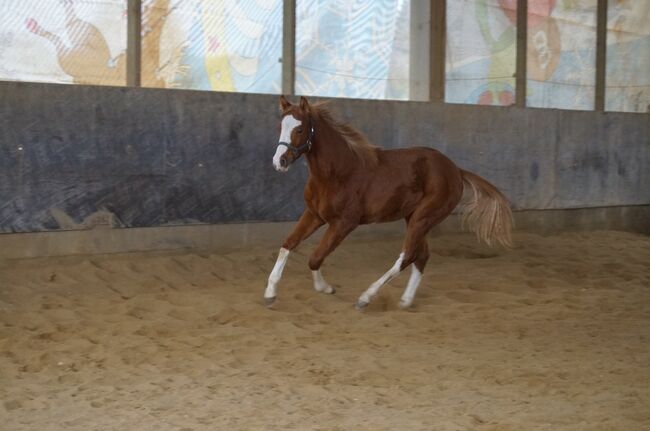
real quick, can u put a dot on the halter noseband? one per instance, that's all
(304, 148)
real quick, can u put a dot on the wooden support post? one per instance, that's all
(419, 51)
(601, 55)
(289, 48)
(522, 45)
(133, 43)
(437, 59)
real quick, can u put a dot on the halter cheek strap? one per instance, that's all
(304, 148)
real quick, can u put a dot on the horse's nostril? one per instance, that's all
(283, 162)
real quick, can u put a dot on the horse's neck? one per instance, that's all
(330, 154)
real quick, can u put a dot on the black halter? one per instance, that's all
(304, 148)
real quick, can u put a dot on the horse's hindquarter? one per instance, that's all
(404, 178)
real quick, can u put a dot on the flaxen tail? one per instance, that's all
(487, 213)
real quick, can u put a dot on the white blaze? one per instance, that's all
(288, 124)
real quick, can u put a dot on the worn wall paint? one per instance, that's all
(75, 157)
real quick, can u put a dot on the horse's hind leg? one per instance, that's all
(416, 247)
(416, 275)
(366, 296)
(414, 251)
(418, 225)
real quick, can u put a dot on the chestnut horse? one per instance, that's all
(352, 182)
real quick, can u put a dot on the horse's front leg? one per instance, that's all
(307, 225)
(335, 233)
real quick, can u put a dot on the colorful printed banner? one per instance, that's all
(343, 48)
(561, 54)
(353, 48)
(65, 41)
(627, 85)
(212, 45)
(481, 52)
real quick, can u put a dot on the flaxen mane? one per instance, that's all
(364, 150)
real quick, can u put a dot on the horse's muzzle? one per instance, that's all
(287, 158)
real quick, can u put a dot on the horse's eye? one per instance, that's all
(299, 129)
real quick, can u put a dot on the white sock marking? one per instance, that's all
(320, 284)
(271, 288)
(388, 276)
(411, 288)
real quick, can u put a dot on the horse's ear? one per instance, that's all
(304, 105)
(284, 103)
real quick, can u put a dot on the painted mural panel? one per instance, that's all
(64, 41)
(212, 45)
(627, 85)
(561, 63)
(481, 52)
(356, 49)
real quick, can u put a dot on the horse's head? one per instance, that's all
(296, 133)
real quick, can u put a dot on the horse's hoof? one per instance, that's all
(361, 305)
(269, 301)
(405, 305)
(330, 290)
